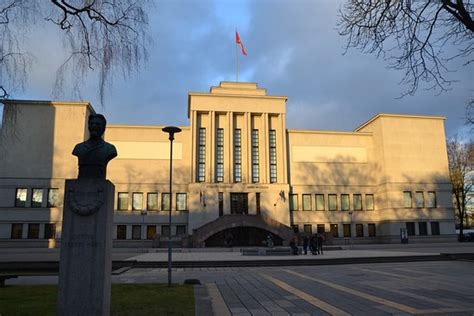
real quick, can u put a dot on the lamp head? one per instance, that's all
(171, 130)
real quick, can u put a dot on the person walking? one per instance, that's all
(320, 240)
(305, 244)
(313, 244)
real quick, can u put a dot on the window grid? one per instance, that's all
(307, 202)
(357, 201)
(345, 204)
(165, 201)
(181, 202)
(202, 155)
(273, 158)
(255, 157)
(122, 204)
(332, 202)
(319, 202)
(369, 202)
(137, 201)
(37, 198)
(237, 155)
(152, 201)
(220, 155)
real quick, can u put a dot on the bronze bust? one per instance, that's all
(94, 154)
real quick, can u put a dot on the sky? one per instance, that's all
(293, 49)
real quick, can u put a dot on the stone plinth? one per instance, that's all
(86, 245)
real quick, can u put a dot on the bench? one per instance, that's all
(4, 277)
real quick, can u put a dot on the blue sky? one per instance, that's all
(293, 49)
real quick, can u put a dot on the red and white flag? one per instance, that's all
(239, 42)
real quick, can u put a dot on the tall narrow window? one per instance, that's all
(202, 155)
(181, 202)
(137, 201)
(257, 200)
(434, 228)
(359, 230)
(221, 203)
(407, 203)
(49, 231)
(431, 203)
(165, 230)
(319, 202)
(372, 230)
(17, 231)
(369, 202)
(136, 232)
(294, 202)
(255, 157)
(334, 230)
(151, 232)
(37, 198)
(152, 201)
(332, 201)
(346, 228)
(165, 201)
(423, 228)
(180, 230)
(122, 204)
(308, 228)
(345, 202)
(53, 197)
(220, 155)
(273, 156)
(320, 229)
(357, 200)
(20, 200)
(121, 231)
(237, 155)
(419, 199)
(410, 228)
(33, 231)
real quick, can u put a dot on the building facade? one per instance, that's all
(238, 175)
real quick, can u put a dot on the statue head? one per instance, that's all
(96, 125)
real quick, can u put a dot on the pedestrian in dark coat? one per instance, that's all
(305, 244)
(320, 240)
(313, 244)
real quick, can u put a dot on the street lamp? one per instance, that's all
(350, 231)
(143, 213)
(171, 130)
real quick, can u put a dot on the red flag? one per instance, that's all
(239, 42)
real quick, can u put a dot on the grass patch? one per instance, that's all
(127, 299)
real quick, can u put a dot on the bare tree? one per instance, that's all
(414, 36)
(100, 36)
(461, 162)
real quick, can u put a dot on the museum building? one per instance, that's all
(238, 175)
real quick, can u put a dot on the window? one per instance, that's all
(20, 200)
(237, 155)
(202, 155)
(359, 230)
(434, 228)
(33, 231)
(165, 230)
(347, 230)
(372, 230)
(419, 200)
(255, 157)
(321, 229)
(220, 155)
(137, 201)
(165, 201)
(407, 203)
(307, 202)
(181, 230)
(357, 200)
(49, 231)
(121, 231)
(53, 197)
(136, 232)
(122, 201)
(37, 198)
(332, 201)
(423, 228)
(369, 202)
(294, 202)
(152, 201)
(17, 231)
(181, 202)
(334, 230)
(319, 202)
(151, 232)
(221, 203)
(257, 200)
(296, 228)
(431, 203)
(410, 228)
(345, 202)
(308, 229)
(273, 156)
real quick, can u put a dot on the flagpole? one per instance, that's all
(236, 61)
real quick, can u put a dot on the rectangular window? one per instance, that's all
(344, 202)
(419, 200)
(372, 232)
(357, 200)
(334, 230)
(122, 201)
(165, 201)
(434, 228)
(220, 155)
(321, 229)
(165, 230)
(151, 232)
(20, 199)
(294, 202)
(347, 230)
(202, 155)
(410, 228)
(308, 229)
(423, 228)
(332, 201)
(136, 232)
(37, 198)
(407, 202)
(257, 200)
(53, 197)
(33, 231)
(181, 202)
(273, 156)
(49, 231)
(181, 230)
(255, 157)
(137, 201)
(319, 202)
(17, 231)
(237, 155)
(359, 230)
(307, 202)
(431, 203)
(369, 202)
(121, 231)
(152, 201)
(221, 203)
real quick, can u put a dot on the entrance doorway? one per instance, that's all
(239, 203)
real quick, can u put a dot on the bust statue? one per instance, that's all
(94, 154)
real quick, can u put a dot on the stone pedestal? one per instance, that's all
(86, 245)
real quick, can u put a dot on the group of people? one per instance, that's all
(315, 244)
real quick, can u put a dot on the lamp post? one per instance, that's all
(350, 231)
(171, 130)
(143, 213)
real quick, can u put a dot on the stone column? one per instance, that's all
(86, 245)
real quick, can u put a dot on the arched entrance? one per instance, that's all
(242, 236)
